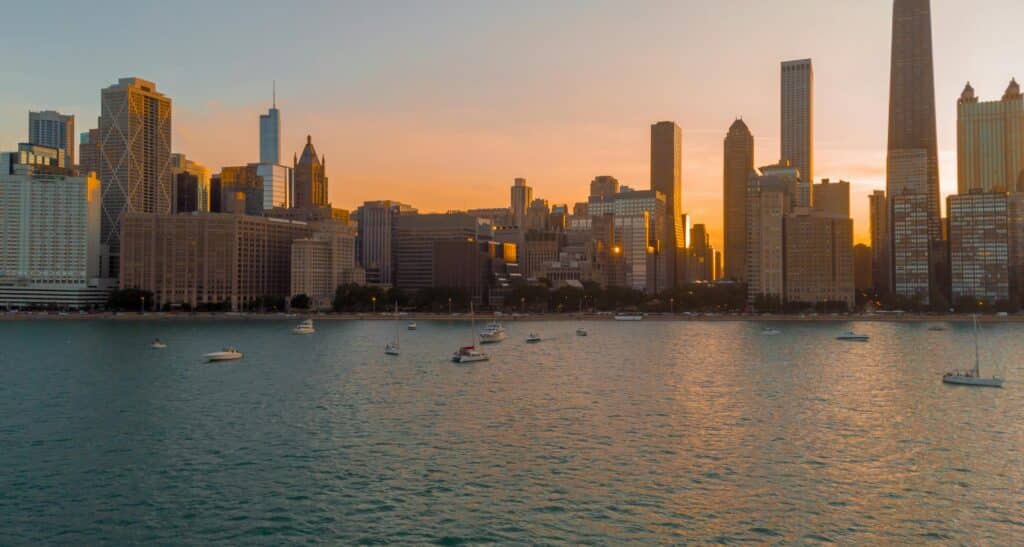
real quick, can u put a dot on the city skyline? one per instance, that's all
(554, 128)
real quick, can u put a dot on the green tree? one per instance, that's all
(301, 301)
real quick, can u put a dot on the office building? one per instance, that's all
(881, 261)
(990, 141)
(89, 152)
(641, 227)
(979, 247)
(214, 260)
(911, 246)
(191, 185)
(912, 102)
(769, 200)
(666, 178)
(54, 130)
(522, 197)
(540, 247)
(832, 198)
(604, 187)
(538, 215)
(739, 163)
(797, 98)
(377, 221)
(310, 178)
(415, 235)
(270, 134)
(323, 261)
(244, 180)
(49, 232)
(798, 190)
(863, 268)
(818, 261)
(700, 256)
(135, 166)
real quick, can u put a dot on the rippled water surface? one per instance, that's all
(641, 432)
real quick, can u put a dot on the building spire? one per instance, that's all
(274, 87)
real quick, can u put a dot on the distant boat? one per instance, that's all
(972, 377)
(411, 326)
(158, 344)
(769, 331)
(533, 338)
(227, 354)
(305, 327)
(629, 317)
(392, 347)
(936, 328)
(470, 353)
(851, 336)
(580, 331)
(492, 333)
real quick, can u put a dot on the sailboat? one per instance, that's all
(581, 330)
(470, 353)
(393, 347)
(972, 377)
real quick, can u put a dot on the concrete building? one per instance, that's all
(324, 261)
(209, 259)
(769, 200)
(191, 185)
(540, 248)
(135, 159)
(739, 163)
(377, 221)
(414, 240)
(911, 248)
(832, 198)
(522, 197)
(310, 178)
(979, 247)
(666, 178)
(818, 260)
(54, 130)
(797, 113)
(881, 259)
(990, 141)
(49, 232)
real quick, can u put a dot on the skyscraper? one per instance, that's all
(53, 129)
(270, 134)
(990, 141)
(739, 163)
(135, 159)
(979, 244)
(89, 152)
(881, 261)
(912, 99)
(522, 196)
(666, 177)
(310, 175)
(797, 110)
(375, 239)
(832, 197)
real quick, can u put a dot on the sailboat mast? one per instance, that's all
(397, 330)
(472, 327)
(977, 367)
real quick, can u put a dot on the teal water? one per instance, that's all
(643, 432)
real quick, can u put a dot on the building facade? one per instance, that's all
(191, 185)
(979, 247)
(832, 198)
(377, 221)
(911, 246)
(797, 112)
(818, 259)
(135, 158)
(881, 261)
(666, 178)
(54, 130)
(522, 197)
(769, 200)
(990, 141)
(324, 261)
(739, 163)
(310, 178)
(244, 180)
(414, 239)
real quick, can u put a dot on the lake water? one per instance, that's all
(649, 432)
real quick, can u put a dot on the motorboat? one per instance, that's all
(629, 317)
(492, 334)
(769, 331)
(470, 353)
(393, 347)
(533, 338)
(936, 329)
(158, 344)
(580, 331)
(851, 336)
(411, 326)
(305, 327)
(972, 377)
(227, 354)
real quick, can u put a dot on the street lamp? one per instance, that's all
(449, 305)
(142, 305)
(672, 305)
(522, 304)
(374, 300)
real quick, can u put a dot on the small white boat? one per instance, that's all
(533, 338)
(305, 327)
(492, 334)
(769, 331)
(629, 317)
(227, 354)
(581, 331)
(851, 336)
(411, 326)
(972, 377)
(158, 344)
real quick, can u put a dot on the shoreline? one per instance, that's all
(381, 316)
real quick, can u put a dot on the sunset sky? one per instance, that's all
(441, 104)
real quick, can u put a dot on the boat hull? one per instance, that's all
(972, 381)
(214, 358)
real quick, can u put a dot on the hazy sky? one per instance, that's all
(441, 104)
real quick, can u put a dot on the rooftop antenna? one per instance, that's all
(274, 84)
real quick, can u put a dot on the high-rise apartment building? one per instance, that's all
(641, 227)
(324, 261)
(135, 159)
(798, 116)
(798, 189)
(832, 197)
(990, 141)
(666, 178)
(818, 258)
(863, 268)
(277, 178)
(270, 134)
(310, 176)
(377, 221)
(700, 256)
(55, 130)
(89, 152)
(769, 200)
(881, 261)
(191, 185)
(49, 231)
(912, 102)
(911, 246)
(979, 246)
(739, 163)
(414, 240)
(522, 197)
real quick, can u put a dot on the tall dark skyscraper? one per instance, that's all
(912, 98)
(739, 163)
(666, 177)
(310, 178)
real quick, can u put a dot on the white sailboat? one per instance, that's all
(972, 377)
(470, 353)
(393, 347)
(581, 330)
(305, 327)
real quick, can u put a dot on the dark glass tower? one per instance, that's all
(739, 163)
